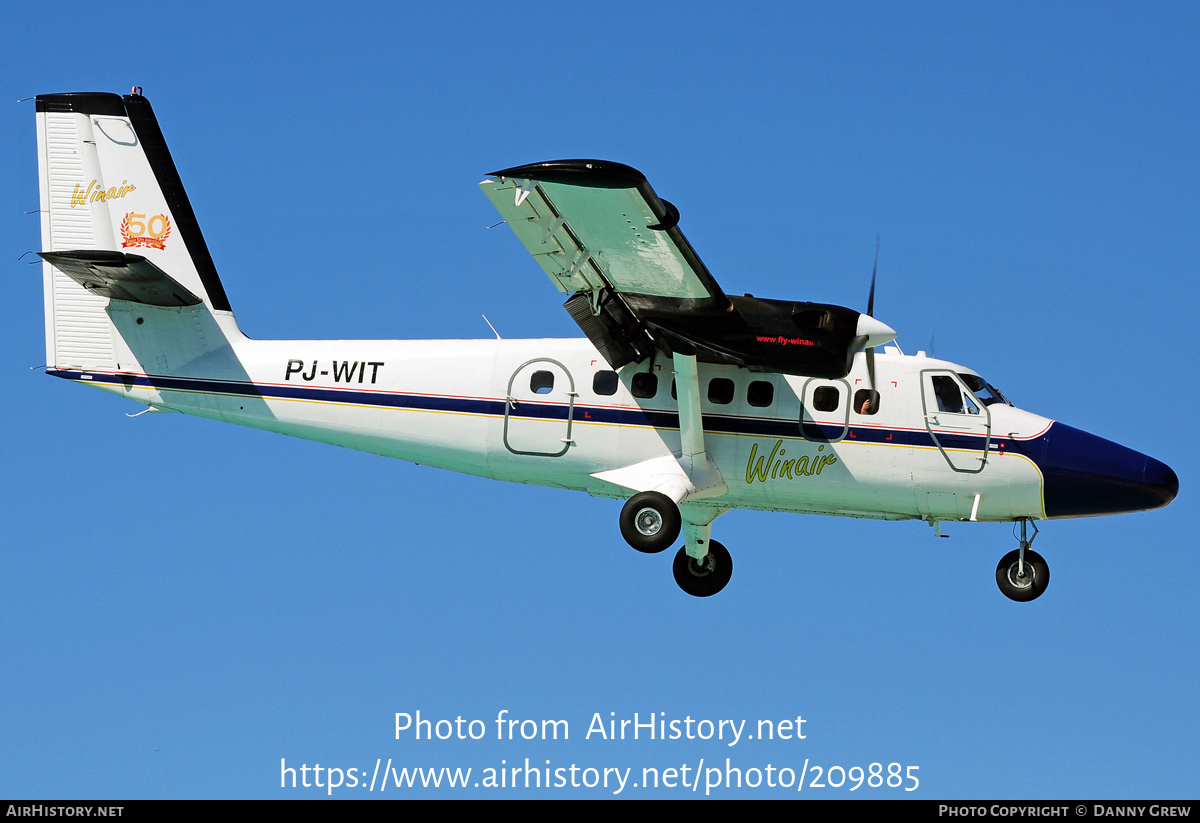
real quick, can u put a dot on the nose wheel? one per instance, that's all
(1023, 574)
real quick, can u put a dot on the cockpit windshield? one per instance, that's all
(985, 391)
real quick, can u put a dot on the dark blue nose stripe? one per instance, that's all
(1087, 475)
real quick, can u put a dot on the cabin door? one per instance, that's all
(539, 409)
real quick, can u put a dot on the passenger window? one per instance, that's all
(720, 391)
(760, 393)
(542, 382)
(605, 383)
(674, 396)
(645, 384)
(866, 401)
(826, 398)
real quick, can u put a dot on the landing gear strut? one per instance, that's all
(650, 522)
(704, 577)
(1022, 574)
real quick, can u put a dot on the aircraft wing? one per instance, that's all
(603, 236)
(593, 224)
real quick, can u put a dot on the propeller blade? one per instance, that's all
(870, 351)
(874, 271)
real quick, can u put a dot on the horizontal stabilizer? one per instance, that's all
(120, 276)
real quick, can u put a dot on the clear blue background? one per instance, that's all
(184, 603)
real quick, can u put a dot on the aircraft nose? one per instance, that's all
(1087, 475)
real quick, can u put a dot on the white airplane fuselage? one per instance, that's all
(467, 406)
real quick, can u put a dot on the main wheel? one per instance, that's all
(706, 577)
(650, 522)
(1018, 586)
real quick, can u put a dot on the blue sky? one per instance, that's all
(185, 604)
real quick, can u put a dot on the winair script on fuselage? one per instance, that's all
(774, 466)
(344, 371)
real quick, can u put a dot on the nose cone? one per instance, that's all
(1087, 475)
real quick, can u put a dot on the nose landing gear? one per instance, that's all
(1023, 574)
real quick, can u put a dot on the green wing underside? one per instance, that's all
(595, 226)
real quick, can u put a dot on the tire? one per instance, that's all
(650, 522)
(1037, 576)
(707, 577)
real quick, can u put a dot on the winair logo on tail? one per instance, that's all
(775, 467)
(94, 193)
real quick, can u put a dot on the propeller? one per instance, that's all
(871, 313)
(871, 332)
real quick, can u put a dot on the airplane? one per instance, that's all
(680, 399)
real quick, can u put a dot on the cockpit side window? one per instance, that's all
(949, 395)
(985, 391)
(951, 398)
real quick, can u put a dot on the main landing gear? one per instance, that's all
(1022, 574)
(650, 522)
(702, 578)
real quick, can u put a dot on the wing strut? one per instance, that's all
(691, 426)
(690, 479)
(693, 458)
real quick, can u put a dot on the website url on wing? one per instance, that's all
(389, 776)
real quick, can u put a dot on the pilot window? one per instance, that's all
(720, 391)
(985, 391)
(542, 382)
(645, 384)
(866, 401)
(826, 398)
(760, 393)
(950, 397)
(605, 383)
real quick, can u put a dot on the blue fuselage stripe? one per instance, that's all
(656, 418)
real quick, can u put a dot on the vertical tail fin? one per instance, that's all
(115, 221)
